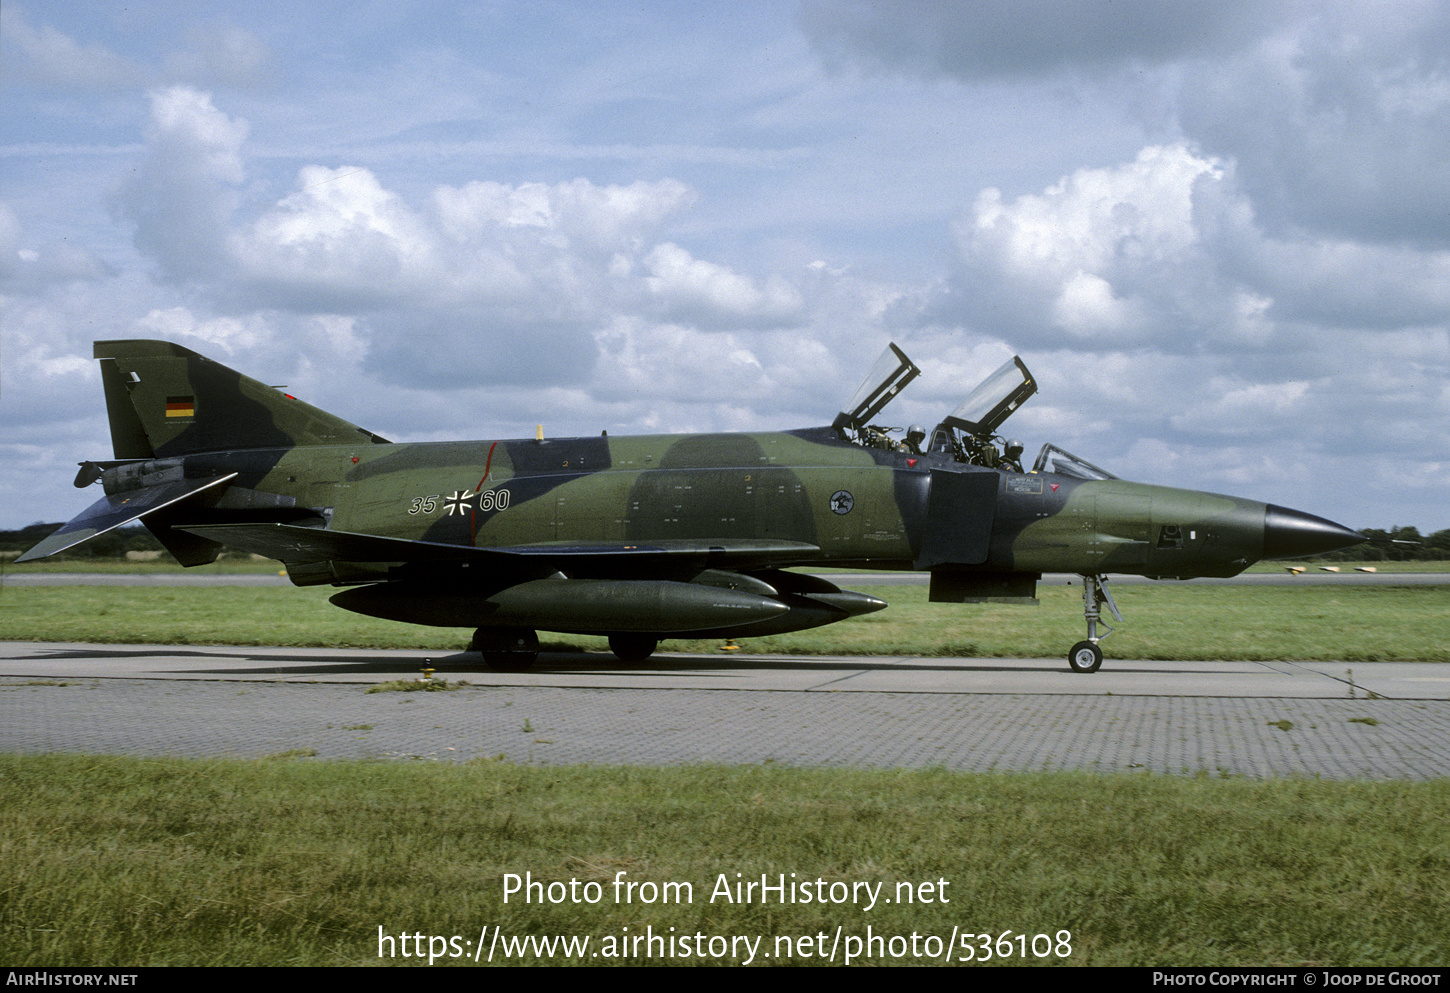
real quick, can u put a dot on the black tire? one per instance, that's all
(633, 647)
(1085, 657)
(507, 649)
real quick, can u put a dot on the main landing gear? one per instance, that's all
(517, 649)
(506, 649)
(1086, 656)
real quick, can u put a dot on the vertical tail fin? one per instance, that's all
(165, 400)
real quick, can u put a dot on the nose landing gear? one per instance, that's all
(1086, 656)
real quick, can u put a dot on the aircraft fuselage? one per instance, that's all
(860, 507)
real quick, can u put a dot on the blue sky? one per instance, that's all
(1219, 234)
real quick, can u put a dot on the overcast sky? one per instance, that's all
(1218, 233)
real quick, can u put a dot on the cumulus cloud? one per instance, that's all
(705, 293)
(1167, 251)
(577, 214)
(230, 336)
(1106, 258)
(182, 196)
(470, 282)
(340, 242)
(556, 249)
(665, 377)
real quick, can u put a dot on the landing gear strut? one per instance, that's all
(1086, 656)
(506, 649)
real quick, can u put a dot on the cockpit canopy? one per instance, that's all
(968, 434)
(888, 377)
(994, 399)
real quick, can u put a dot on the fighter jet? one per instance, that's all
(645, 538)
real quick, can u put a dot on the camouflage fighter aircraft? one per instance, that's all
(644, 538)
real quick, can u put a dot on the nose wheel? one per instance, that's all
(1086, 656)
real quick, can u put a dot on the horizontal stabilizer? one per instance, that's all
(114, 510)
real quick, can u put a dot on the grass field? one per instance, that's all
(116, 861)
(1349, 623)
(290, 861)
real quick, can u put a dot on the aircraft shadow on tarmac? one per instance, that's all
(271, 664)
(665, 665)
(462, 664)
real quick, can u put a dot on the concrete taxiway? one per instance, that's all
(1336, 720)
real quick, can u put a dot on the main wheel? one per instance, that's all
(632, 647)
(507, 649)
(1085, 657)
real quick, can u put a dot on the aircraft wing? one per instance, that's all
(114, 510)
(296, 544)
(724, 553)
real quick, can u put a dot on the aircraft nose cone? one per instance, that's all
(1289, 534)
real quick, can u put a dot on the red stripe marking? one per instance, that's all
(473, 517)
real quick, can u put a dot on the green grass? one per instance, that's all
(118, 861)
(431, 685)
(1356, 624)
(228, 565)
(1348, 623)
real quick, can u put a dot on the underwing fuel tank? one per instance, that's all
(575, 606)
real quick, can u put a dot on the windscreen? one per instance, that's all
(1054, 459)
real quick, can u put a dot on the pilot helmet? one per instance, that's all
(915, 434)
(1014, 449)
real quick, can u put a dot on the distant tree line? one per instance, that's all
(111, 545)
(1412, 547)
